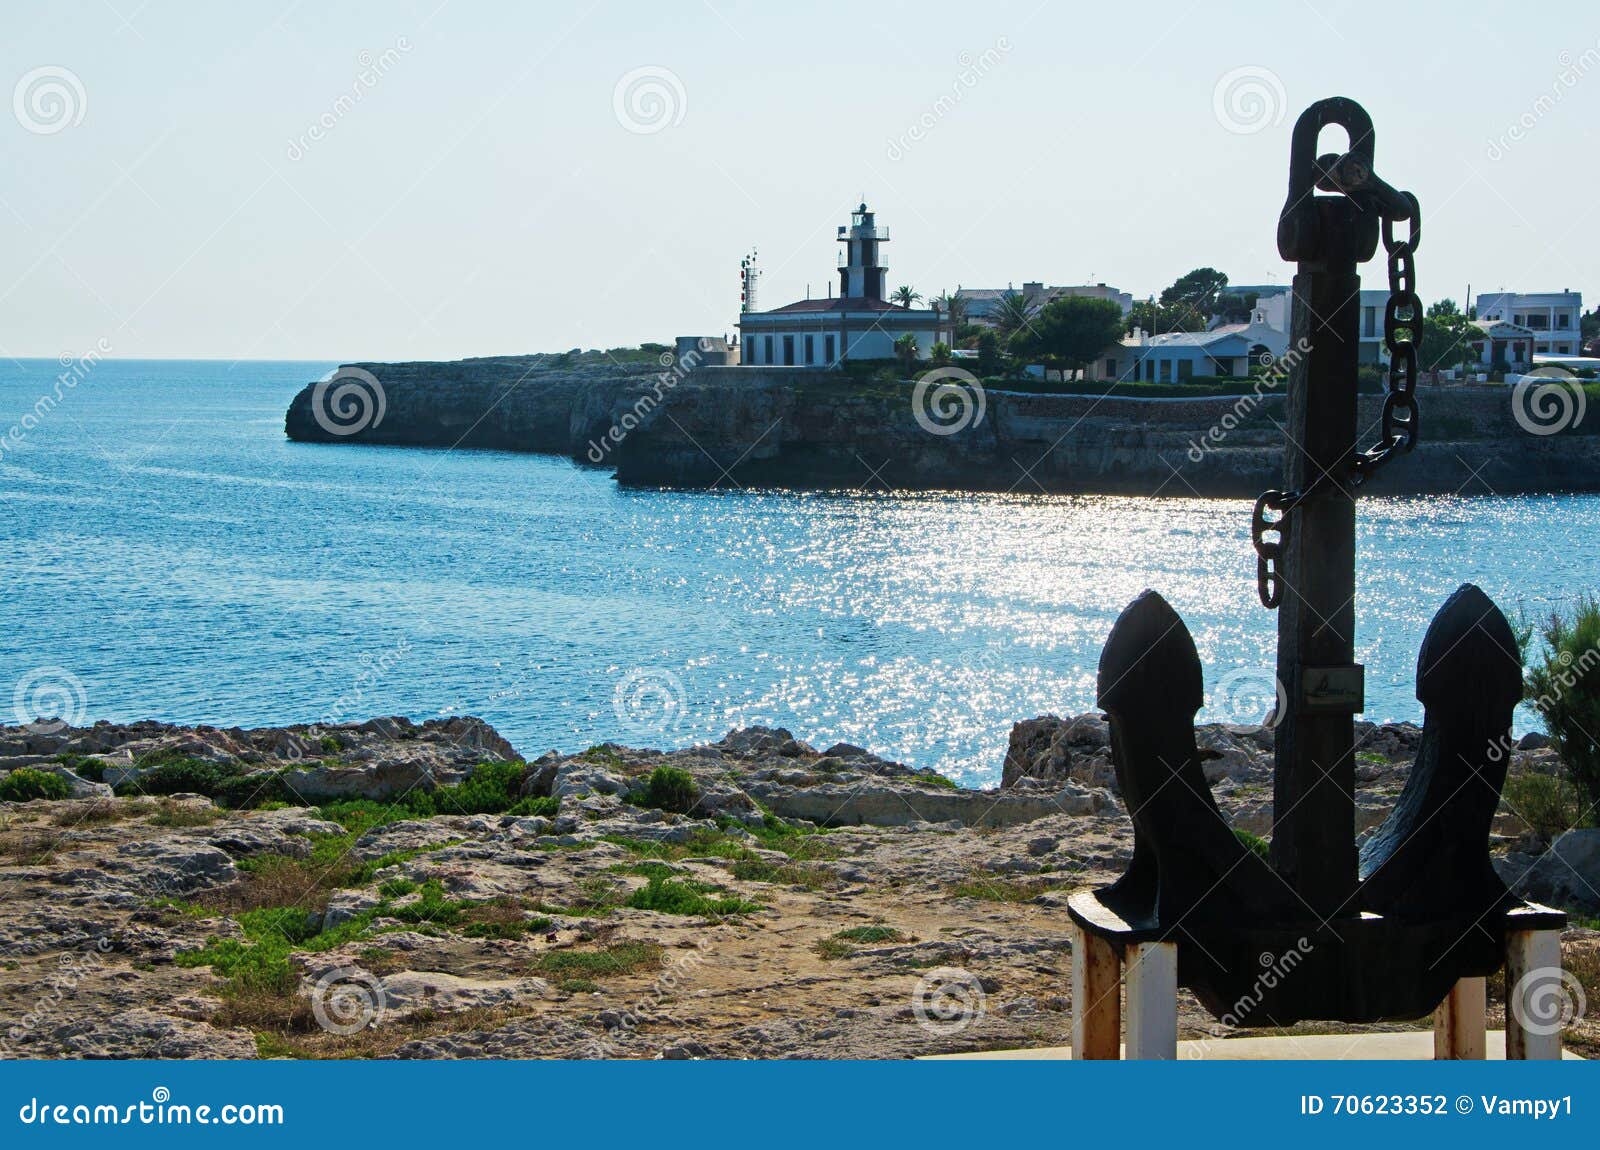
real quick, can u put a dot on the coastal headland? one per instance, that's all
(657, 423)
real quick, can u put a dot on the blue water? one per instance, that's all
(171, 555)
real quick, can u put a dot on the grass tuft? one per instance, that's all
(617, 959)
(688, 897)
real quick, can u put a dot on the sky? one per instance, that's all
(381, 181)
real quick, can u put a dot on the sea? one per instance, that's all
(171, 555)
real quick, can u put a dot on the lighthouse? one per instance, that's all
(861, 266)
(857, 324)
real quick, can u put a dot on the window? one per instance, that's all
(811, 349)
(1185, 369)
(788, 351)
(1149, 369)
(1520, 320)
(1562, 320)
(1369, 322)
(1166, 371)
(827, 348)
(1111, 369)
(767, 358)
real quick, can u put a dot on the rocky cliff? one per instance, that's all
(657, 424)
(770, 429)
(542, 403)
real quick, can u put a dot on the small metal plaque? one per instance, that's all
(1333, 688)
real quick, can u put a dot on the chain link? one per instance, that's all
(1269, 578)
(1402, 336)
(1403, 314)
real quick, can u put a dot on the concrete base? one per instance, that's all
(1409, 1045)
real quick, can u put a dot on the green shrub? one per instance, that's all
(26, 784)
(230, 784)
(687, 897)
(491, 790)
(1547, 803)
(668, 788)
(1565, 690)
(247, 791)
(84, 766)
(358, 816)
(183, 775)
(545, 805)
(1255, 844)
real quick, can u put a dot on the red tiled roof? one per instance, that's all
(838, 303)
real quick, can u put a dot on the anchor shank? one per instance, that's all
(1314, 783)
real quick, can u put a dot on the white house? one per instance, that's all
(1274, 306)
(1554, 318)
(858, 323)
(1181, 355)
(1374, 307)
(1504, 344)
(979, 305)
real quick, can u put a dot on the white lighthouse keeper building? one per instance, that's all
(858, 323)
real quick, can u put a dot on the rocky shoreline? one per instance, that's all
(395, 889)
(658, 425)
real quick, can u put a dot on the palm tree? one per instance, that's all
(906, 350)
(1013, 314)
(953, 307)
(905, 296)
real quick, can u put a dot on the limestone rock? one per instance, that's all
(143, 1033)
(1566, 875)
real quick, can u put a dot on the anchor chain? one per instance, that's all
(1402, 317)
(1401, 415)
